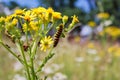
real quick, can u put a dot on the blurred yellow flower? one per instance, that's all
(50, 10)
(44, 17)
(19, 12)
(113, 31)
(65, 19)
(29, 15)
(14, 21)
(49, 13)
(25, 27)
(77, 38)
(103, 15)
(33, 26)
(2, 19)
(39, 10)
(91, 45)
(56, 16)
(46, 43)
(117, 53)
(75, 19)
(114, 50)
(8, 18)
(91, 23)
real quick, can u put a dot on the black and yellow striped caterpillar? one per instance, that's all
(57, 35)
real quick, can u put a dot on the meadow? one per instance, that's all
(72, 61)
(43, 44)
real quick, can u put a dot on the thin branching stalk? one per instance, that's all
(46, 59)
(8, 49)
(24, 57)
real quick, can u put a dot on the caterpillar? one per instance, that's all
(57, 35)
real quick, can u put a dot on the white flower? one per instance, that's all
(18, 77)
(97, 58)
(107, 23)
(18, 66)
(48, 70)
(52, 68)
(79, 59)
(92, 51)
(59, 76)
(57, 67)
(49, 78)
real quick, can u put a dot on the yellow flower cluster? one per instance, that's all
(19, 12)
(103, 15)
(10, 22)
(91, 45)
(113, 31)
(74, 21)
(37, 22)
(77, 39)
(114, 50)
(91, 23)
(2, 19)
(32, 26)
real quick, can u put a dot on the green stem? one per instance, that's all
(25, 61)
(100, 6)
(32, 66)
(32, 69)
(51, 26)
(46, 59)
(26, 33)
(11, 52)
(34, 48)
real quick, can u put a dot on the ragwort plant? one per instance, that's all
(35, 25)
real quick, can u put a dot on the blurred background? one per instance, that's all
(85, 9)
(91, 51)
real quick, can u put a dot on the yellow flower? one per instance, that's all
(44, 18)
(56, 16)
(91, 45)
(19, 12)
(46, 43)
(29, 15)
(8, 18)
(39, 10)
(77, 38)
(33, 25)
(113, 31)
(75, 19)
(14, 21)
(49, 13)
(2, 19)
(25, 27)
(117, 53)
(101, 33)
(114, 50)
(91, 23)
(65, 19)
(103, 15)
(50, 10)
